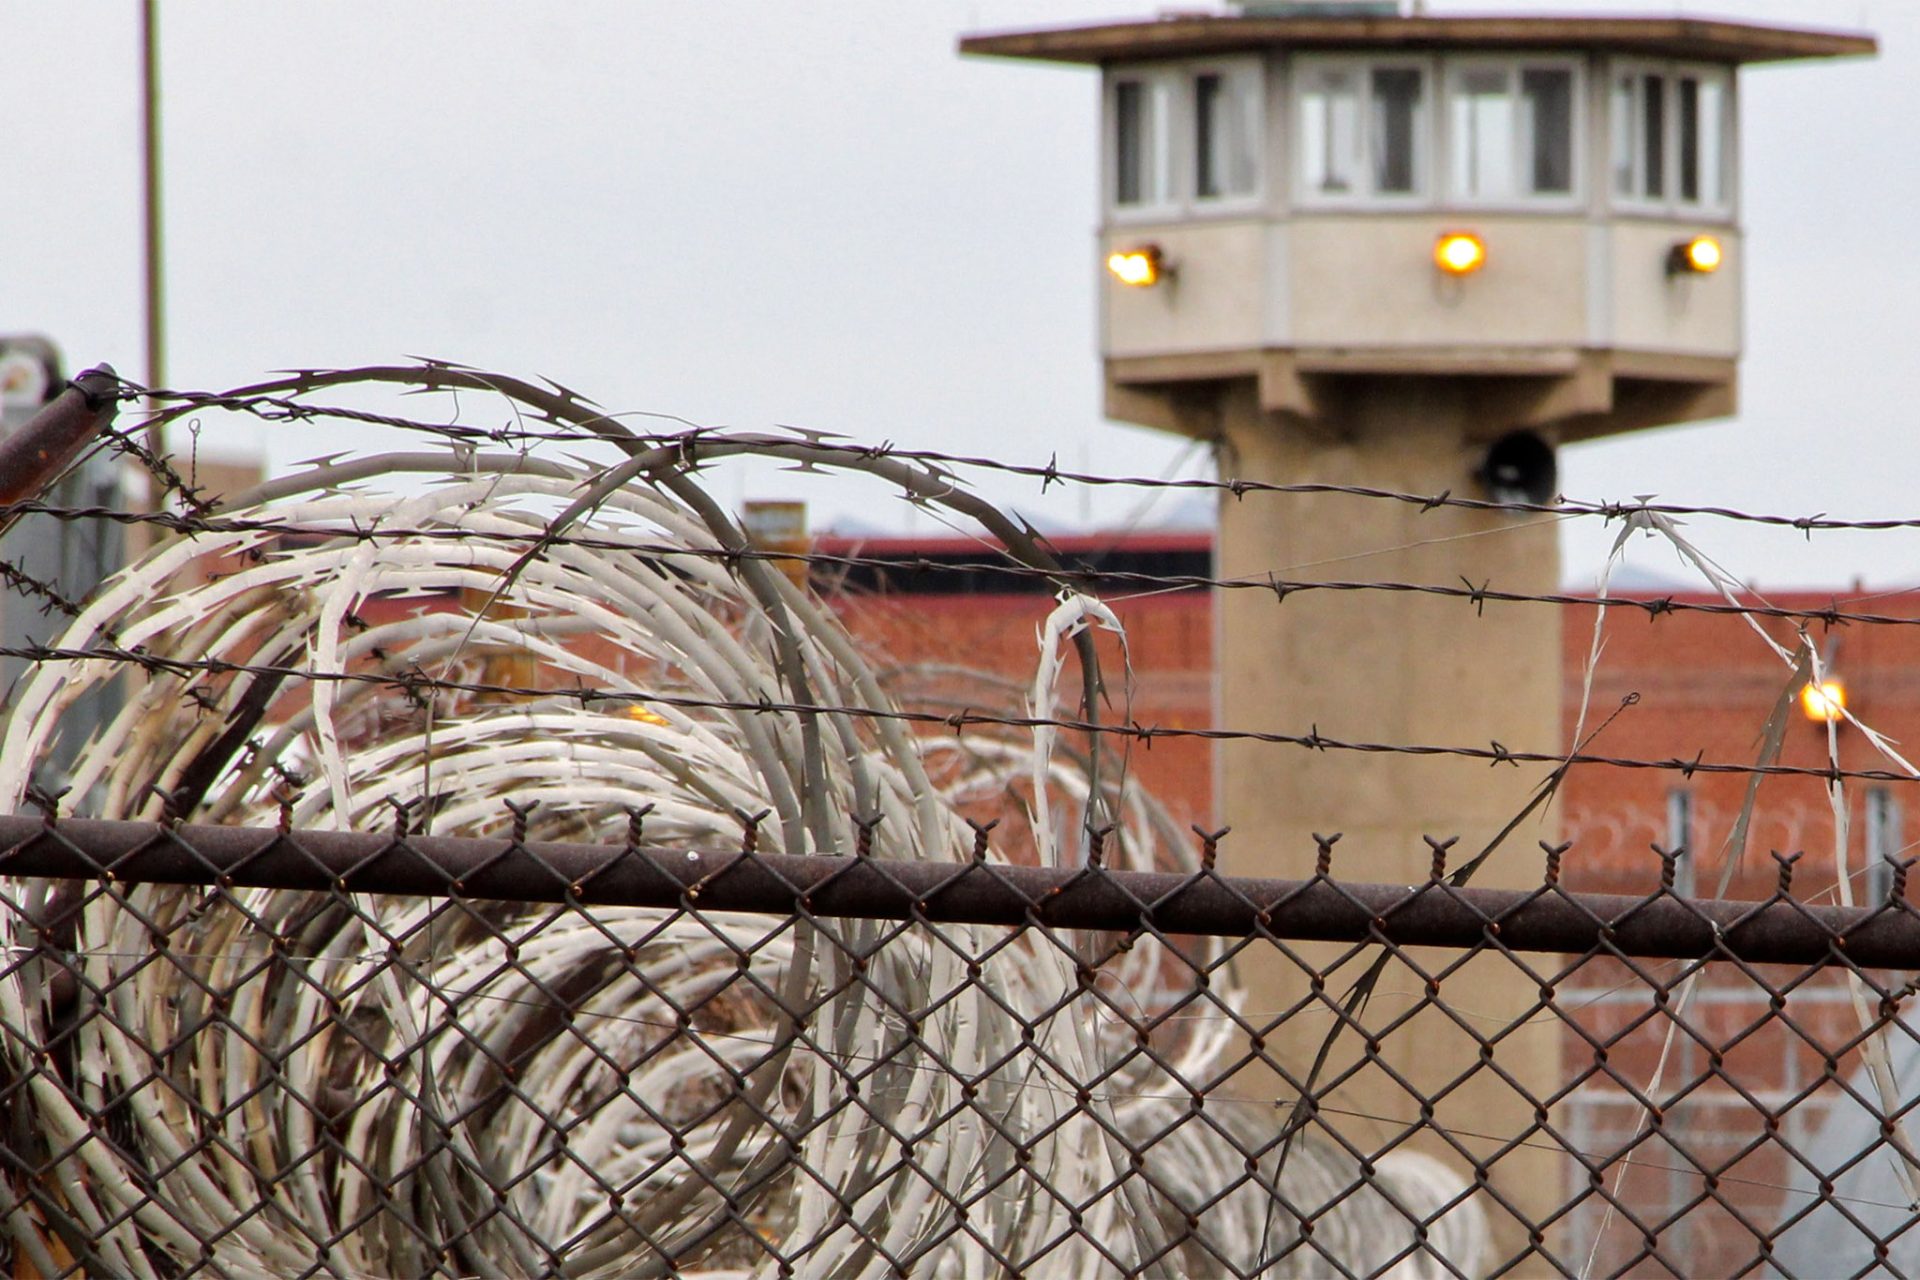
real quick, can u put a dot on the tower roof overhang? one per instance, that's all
(1181, 36)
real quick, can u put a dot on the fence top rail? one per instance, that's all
(1548, 918)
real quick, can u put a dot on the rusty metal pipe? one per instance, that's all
(33, 457)
(1548, 919)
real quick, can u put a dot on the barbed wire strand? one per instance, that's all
(281, 408)
(419, 684)
(921, 564)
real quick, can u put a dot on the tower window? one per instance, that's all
(1506, 130)
(1702, 122)
(1330, 131)
(1185, 135)
(1510, 132)
(1129, 123)
(1653, 134)
(1208, 135)
(1226, 131)
(1139, 135)
(1546, 129)
(1671, 134)
(1483, 133)
(1360, 129)
(1396, 102)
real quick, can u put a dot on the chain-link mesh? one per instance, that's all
(584, 1060)
(839, 1047)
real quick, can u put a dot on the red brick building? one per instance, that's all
(1706, 684)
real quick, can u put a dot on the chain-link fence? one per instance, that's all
(246, 1052)
(869, 1032)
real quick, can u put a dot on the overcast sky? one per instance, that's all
(760, 213)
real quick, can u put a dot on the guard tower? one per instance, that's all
(1416, 254)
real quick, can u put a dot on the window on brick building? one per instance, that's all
(1884, 845)
(1680, 838)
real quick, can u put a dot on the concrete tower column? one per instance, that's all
(1391, 668)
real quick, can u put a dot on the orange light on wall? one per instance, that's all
(1823, 701)
(1141, 267)
(1459, 253)
(1700, 256)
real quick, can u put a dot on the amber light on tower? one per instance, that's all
(1142, 267)
(1701, 255)
(1823, 700)
(1460, 253)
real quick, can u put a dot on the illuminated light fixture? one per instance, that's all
(1459, 253)
(1141, 267)
(644, 716)
(1824, 701)
(1700, 256)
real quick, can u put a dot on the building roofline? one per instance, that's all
(1707, 40)
(1095, 542)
